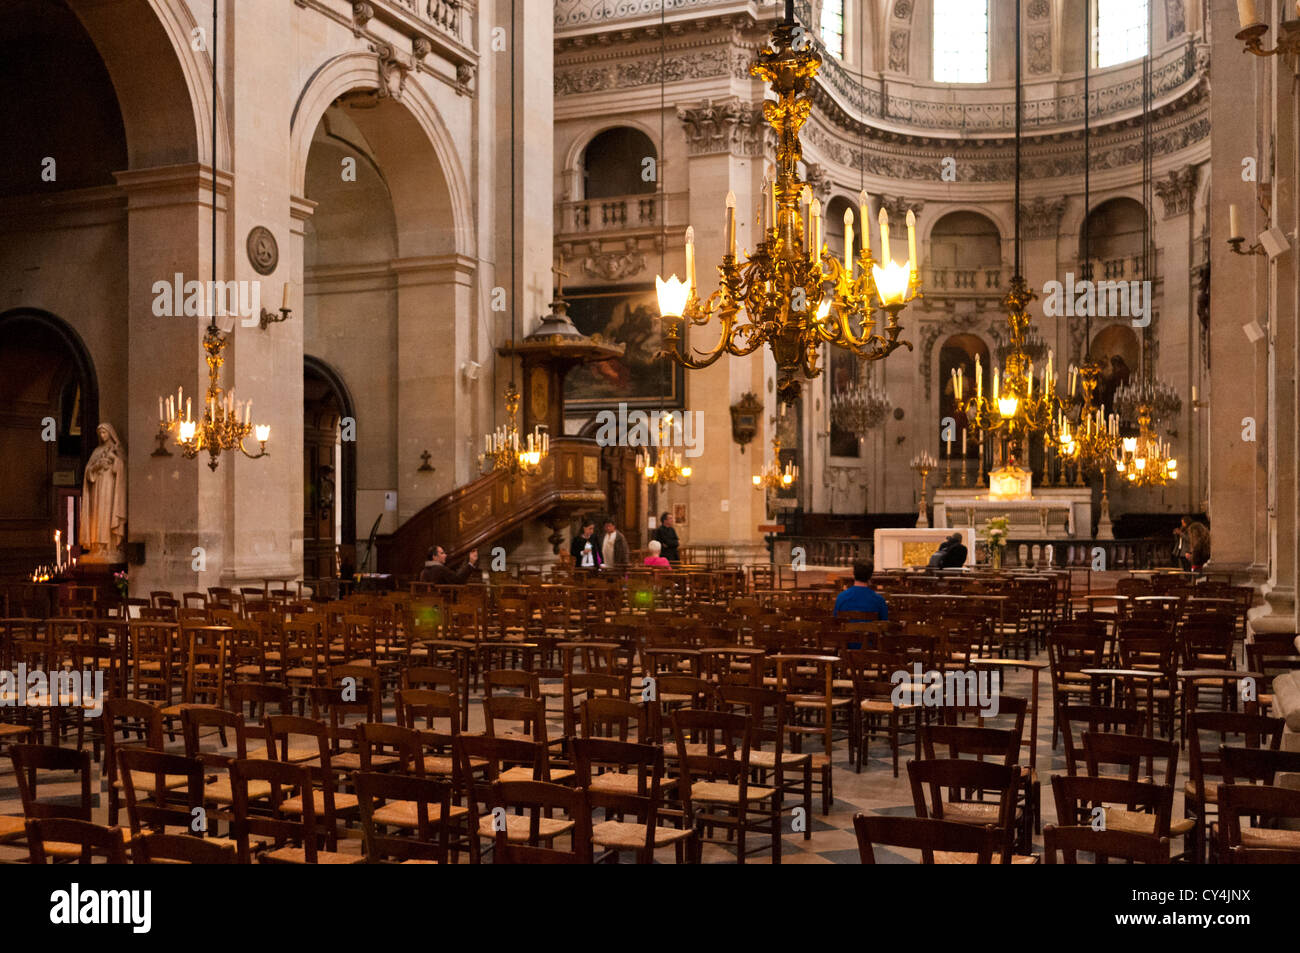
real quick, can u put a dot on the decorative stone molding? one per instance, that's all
(362, 13)
(1176, 190)
(464, 76)
(902, 9)
(420, 48)
(613, 265)
(897, 206)
(899, 42)
(1039, 50)
(1042, 217)
(389, 64)
(819, 180)
(930, 333)
(731, 126)
(1175, 18)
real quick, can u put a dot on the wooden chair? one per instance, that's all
(129, 723)
(500, 712)
(1263, 803)
(938, 841)
(535, 803)
(715, 788)
(875, 698)
(181, 849)
(68, 837)
(1088, 802)
(1096, 718)
(1205, 765)
(483, 761)
(1103, 844)
(632, 785)
(789, 771)
(417, 806)
(33, 765)
(969, 783)
(153, 799)
(297, 830)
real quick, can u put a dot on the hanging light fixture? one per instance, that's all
(506, 449)
(792, 294)
(860, 408)
(1012, 411)
(1146, 460)
(774, 476)
(665, 463)
(225, 422)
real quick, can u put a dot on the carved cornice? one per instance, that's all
(731, 126)
(897, 206)
(1176, 190)
(819, 180)
(929, 334)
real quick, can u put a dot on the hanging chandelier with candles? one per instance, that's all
(226, 423)
(1162, 401)
(791, 293)
(774, 476)
(664, 464)
(860, 408)
(1145, 460)
(1087, 436)
(508, 451)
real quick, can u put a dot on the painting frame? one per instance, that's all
(622, 314)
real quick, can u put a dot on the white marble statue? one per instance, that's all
(103, 501)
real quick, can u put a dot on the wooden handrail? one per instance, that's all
(486, 509)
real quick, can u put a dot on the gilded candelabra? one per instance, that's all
(665, 465)
(506, 450)
(773, 475)
(1013, 411)
(791, 293)
(923, 464)
(226, 422)
(1145, 460)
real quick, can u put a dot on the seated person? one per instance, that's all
(438, 572)
(954, 555)
(860, 597)
(654, 559)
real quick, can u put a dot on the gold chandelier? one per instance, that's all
(226, 423)
(508, 451)
(791, 293)
(773, 476)
(1091, 439)
(667, 464)
(1145, 459)
(1013, 410)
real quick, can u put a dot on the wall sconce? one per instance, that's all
(1253, 30)
(1236, 238)
(269, 318)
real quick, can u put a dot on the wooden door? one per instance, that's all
(320, 478)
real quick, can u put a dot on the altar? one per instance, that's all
(1051, 513)
(903, 548)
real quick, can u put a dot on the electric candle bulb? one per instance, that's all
(690, 256)
(884, 236)
(911, 241)
(731, 224)
(866, 222)
(848, 241)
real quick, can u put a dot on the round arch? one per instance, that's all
(354, 71)
(76, 348)
(582, 138)
(166, 109)
(1072, 220)
(1004, 225)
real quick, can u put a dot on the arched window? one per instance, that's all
(832, 27)
(961, 41)
(615, 163)
(1121, 31)
(1115, 234)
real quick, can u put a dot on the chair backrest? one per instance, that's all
(429, 801)
(1082, 801)
(505, 681)
(95, 840)
(1095, 718)
(1068, 841)
(499, 711)
(1207, 731)
(180, 849)
(1132, 753)
(32, 766)
(380, 740)
(539, 799)
(925, 834)
(971, 741)
(1256, 765)
(615, 718)
(153, 797)
(643, 762)
(932, 776)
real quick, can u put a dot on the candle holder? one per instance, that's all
(964, 474)
(1255, 249)
(269, 319)
(161, 436)
(923, 464)
(1288, 41)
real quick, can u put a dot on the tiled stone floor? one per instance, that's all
(875, 790)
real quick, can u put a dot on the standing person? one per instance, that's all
(860, 597)
(1198, 545)
(437, 571)
(1180, 544)
(584, 547)
(667, 537)
(613, 547)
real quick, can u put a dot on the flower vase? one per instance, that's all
(995, 556)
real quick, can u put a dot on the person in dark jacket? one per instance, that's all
(667, 537)
(438, 572)
(954, 557)
(613, 546)
(585, 547)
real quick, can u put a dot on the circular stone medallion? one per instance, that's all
(263, 252)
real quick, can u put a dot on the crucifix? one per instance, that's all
(425, 467)
(560, 275)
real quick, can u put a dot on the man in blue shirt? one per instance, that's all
(860, 597)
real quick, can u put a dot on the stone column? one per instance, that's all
(1238, 468)
(1177, 331)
